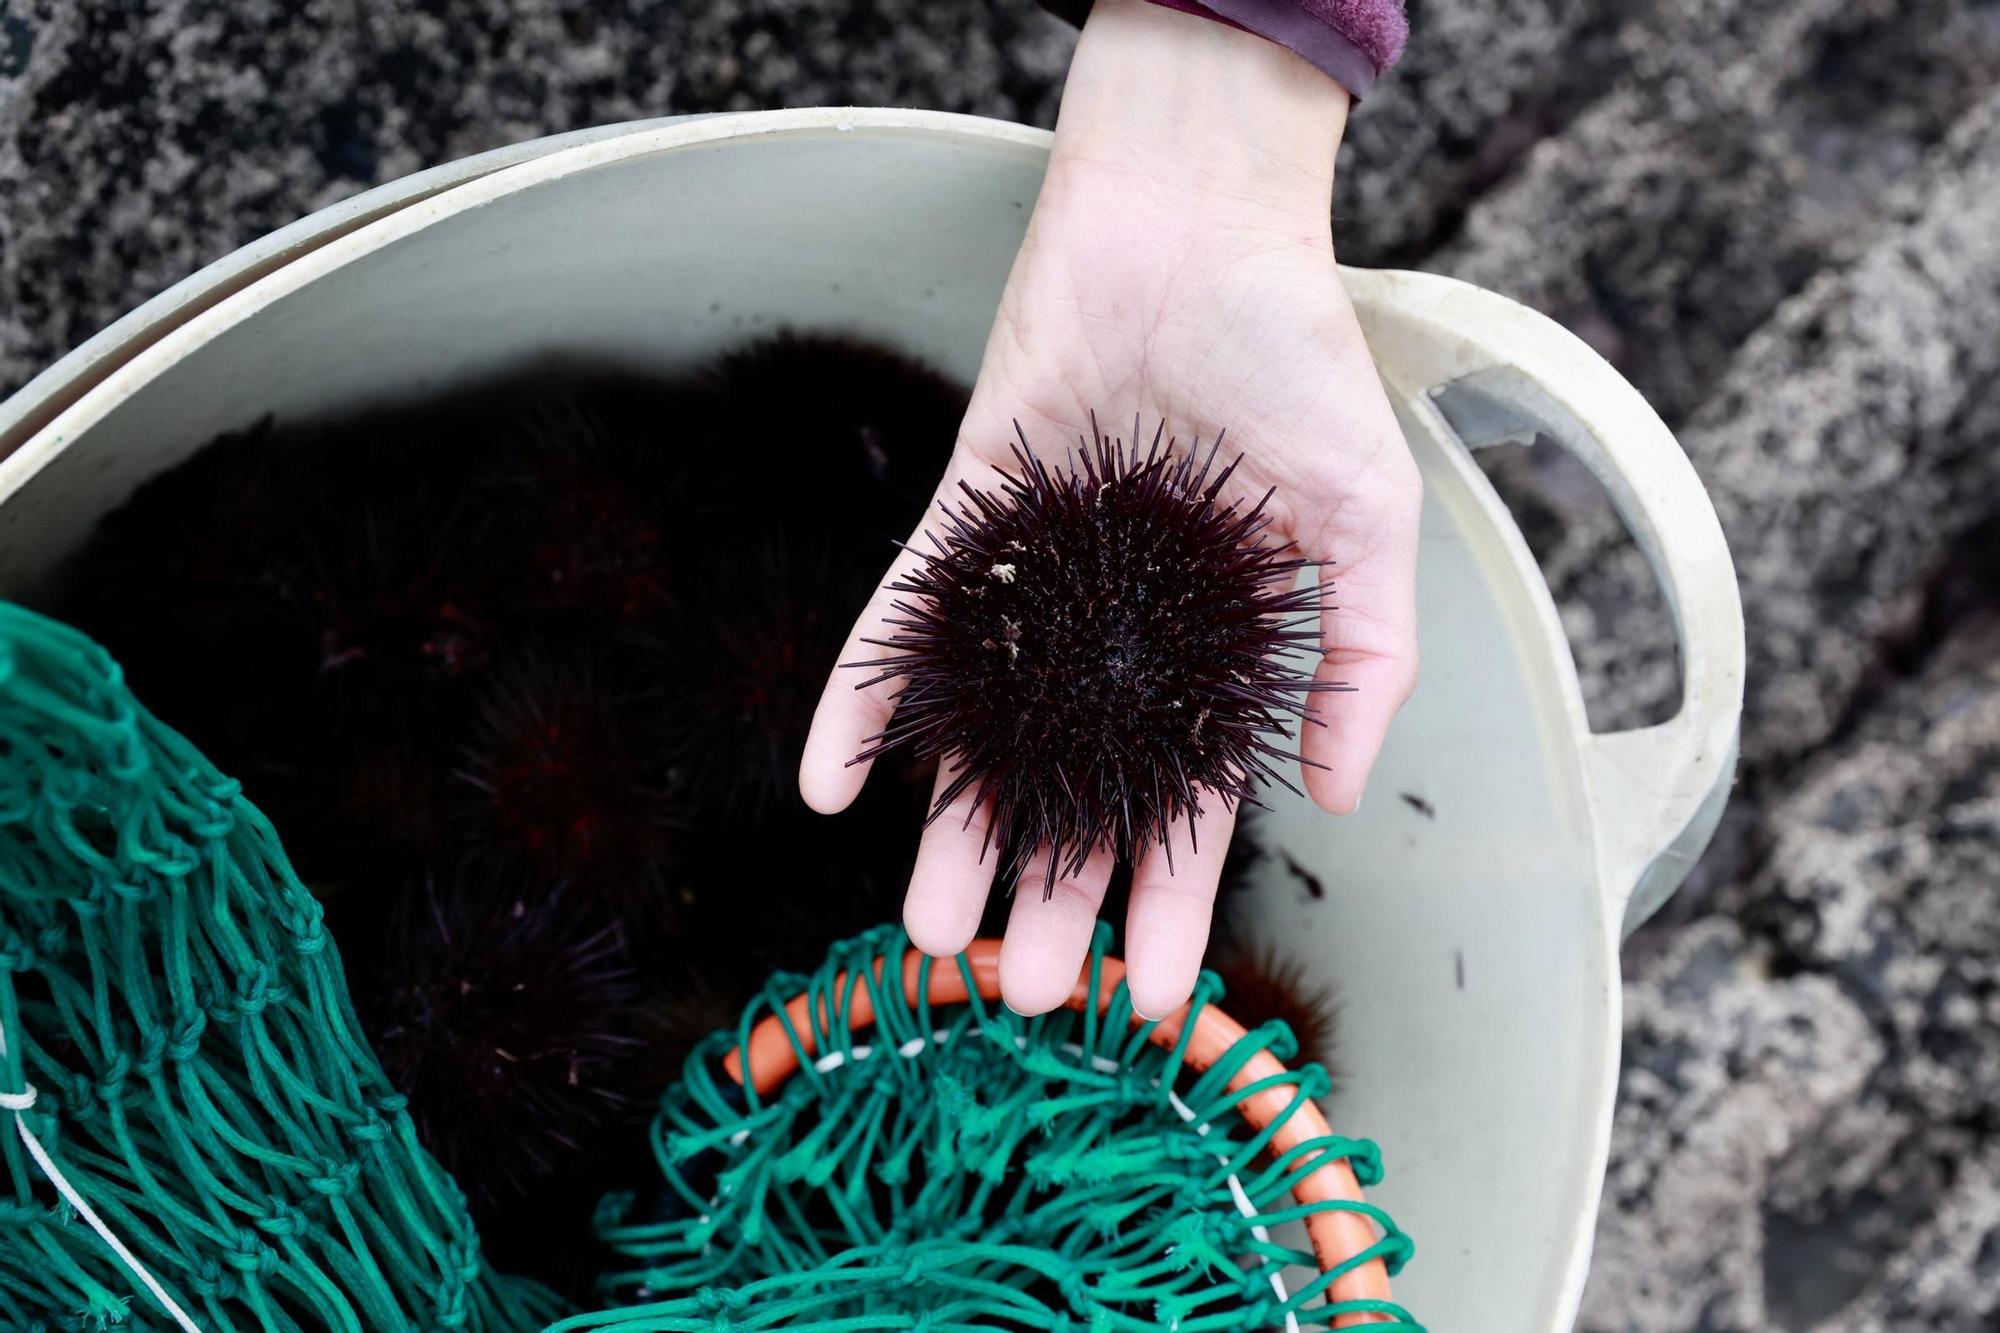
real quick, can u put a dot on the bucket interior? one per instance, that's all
(1457, 913)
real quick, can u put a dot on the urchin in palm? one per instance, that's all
(1091, 647)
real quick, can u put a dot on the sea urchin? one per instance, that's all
(507, 1020)
(1094, 646)
(1261, 984)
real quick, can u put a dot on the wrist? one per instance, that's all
(1209, 114)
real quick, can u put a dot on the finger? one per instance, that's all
(1166, 927)
(858, 702)
(954, 872)
(1048, 937)
(1368, 637)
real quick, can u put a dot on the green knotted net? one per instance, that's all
(183, 1079)
(959, 1167)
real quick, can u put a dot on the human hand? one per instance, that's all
(1178, 266)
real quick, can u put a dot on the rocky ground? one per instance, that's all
(1780, 218)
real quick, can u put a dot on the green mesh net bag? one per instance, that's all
(878, 1147)
(195, 1133)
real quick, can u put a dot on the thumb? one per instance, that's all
(1368, 625)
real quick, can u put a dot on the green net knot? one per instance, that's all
(246, 1252)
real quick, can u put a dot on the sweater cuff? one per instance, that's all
(1352, 41)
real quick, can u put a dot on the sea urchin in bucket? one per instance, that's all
(1093, 647)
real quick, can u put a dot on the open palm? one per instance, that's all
(1131, 299)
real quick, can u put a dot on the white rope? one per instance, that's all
(19, 1103)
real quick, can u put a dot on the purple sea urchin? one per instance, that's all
(582, 483)
(1262, 984)
(562, 775)
(757, 625)
(1092, 647)
(507, 1020)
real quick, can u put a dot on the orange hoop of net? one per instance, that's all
(1337, 1236)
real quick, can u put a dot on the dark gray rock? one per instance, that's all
(1472, 96)
(1725, 1068)
(1805, 1138)
(1741, 147)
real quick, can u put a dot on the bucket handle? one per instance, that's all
(1502, 373)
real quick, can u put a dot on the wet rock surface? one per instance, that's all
(1776, 216)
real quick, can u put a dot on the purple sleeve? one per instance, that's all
(1354, 41)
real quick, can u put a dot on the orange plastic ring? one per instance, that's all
(1336, 1236)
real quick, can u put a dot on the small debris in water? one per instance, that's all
(1307, 880)
(1458, 958)
(1419, 804)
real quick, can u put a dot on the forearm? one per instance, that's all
(1350, 41)
(1193, 111)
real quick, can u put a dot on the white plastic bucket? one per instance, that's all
(1476, 944)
